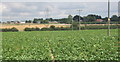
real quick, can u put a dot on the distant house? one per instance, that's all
(53, 22)
(22, 22)
(99, 20)
(38, 22)
(17, 22)
(4, 22)
(12, 22)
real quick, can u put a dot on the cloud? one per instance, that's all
(29, 10)
(58, 0)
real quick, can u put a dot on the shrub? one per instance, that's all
(99, 22)
(100, 27)
(75, 25)
(52, 27)
(27, 29)
(10, 30)
(14, 29)
(65, 28)
(55, 29)
(45, 29)
(32, 29)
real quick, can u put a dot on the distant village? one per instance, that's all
(24, 22)
(38, 22)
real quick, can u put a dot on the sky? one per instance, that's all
(20, 10)
(58, 0)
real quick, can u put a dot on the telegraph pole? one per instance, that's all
(79, 17)
(72, 23)
(47, 15)
(108, 33)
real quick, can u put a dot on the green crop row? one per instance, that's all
(64, 45)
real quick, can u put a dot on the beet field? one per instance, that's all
(60, 45)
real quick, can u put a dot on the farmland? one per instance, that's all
(60, 45)
(21, 27)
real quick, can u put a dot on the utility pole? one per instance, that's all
(119, 13)
(72, 24)
(108, 33)
(70, 18)
(79, 17)
(47, 15)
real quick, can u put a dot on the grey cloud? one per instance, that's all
(56, 9)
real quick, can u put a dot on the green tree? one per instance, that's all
(90, 18)
(44, 21)
(75, 25)
(114, 18)
(69, 19)
(52, 27)
(105, 19)
(37, 20)
(76, 18)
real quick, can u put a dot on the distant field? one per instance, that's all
(21, 27)
(60, 45)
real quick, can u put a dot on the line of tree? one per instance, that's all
(93, 18)
(75, 27)
(32, 29)
(10, 29)
(68, 20)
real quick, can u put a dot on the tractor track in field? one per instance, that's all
(51, 52)
(52, 56)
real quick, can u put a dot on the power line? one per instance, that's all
(46, 13)
(47, 16)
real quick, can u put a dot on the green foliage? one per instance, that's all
(76, 18)
(28, 21)
(69, 19)
(44, 21)
(99, 27)
(90, 18)
(65, 45)
(61, 28)
(55, 29)
(63, 20)
(32, 29)
(99, 22)
(114, 18)
(40, 21)
(46, 29)
(52, 27)
(75, 25)
(14, 29)
(10, 30)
